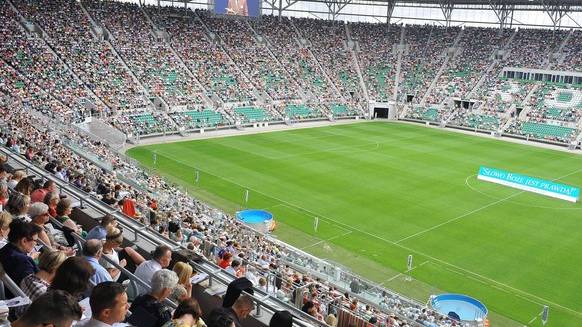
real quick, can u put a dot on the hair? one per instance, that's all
(48, 184)
(37, 209)
(49, 197)
(20, 230)
(104, 296)
(308, 305)
(92, 248)
(184, 272)
(73, 276)
(160, 251)
(17, 203)
(53, 307)
(226, 256)
(18, 174)
(114, 234)
(24, 186)
(63, 205)
(188, 306)
(163, 279)
(5, 219)
(107, 219)
(50, 261)
(244, 302)
(235, 263)
(281, 319)
(331, 320)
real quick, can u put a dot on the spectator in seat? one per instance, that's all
(187, 314)
(5, 221)
(39, 216)
(281, 319)
(240, 310)
(52, 309)
(184, 272)
(23, 237)
(73, 277)
(62, 210)
(148, 309)
(99, 232)
(39, 194)
(93, 250)
(17, 206)
(108, 305)
(113, 242)
(51, 200)
(162, 257)
(24, 186)
(34, 285)
(16, 177)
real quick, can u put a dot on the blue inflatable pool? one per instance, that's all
(462, 306)
(261, 220)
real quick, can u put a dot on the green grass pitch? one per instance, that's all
(383, 191)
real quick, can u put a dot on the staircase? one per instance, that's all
(356, 63)
(399, 64)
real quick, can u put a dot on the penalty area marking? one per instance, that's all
(326, 240)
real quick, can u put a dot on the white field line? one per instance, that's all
(326, 240)
(515, 291)
(400, 274)
(475, 210)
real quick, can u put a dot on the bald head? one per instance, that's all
(93, 248)
(243, 306)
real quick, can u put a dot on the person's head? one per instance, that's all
(18, 175)
(163, 281)
(309, 308)
(114, 237)
(227, 256)
(23, 235)
(109, 302)
(188, 307)
(163, 255)
(5, 220)
(50, 186)
(52, 309)
(39, 213)
(73, 276)
(108, 220)
(93, 248)
(184, 272)
(235, 264)
(18, 204)
(24, 186)
(281, 319)
(331, 320)
(64, 206)
(243, 306)
(50, 261)
(51, 199)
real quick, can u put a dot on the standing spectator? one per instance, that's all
(55, 308)
(162, 257)
(14, 256)
(148, 308)
(93, 250)
(108, 305)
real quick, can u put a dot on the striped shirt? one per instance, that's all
(33, 286)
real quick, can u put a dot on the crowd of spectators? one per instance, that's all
(572, 61)
(532, 48)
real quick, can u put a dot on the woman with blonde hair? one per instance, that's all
(34, 285)
(184, 272)
(5, 220)
(113, 241)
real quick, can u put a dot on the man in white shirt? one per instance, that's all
(162, 257)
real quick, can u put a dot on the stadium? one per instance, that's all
(302, 163)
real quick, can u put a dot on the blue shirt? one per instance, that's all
(97, 233)
(16, 263)
(101, 274)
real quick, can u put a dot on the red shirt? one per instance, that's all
(38, 195)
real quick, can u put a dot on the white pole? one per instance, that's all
(315, 223)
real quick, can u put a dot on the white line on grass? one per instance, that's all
(327, 240)
(400, 274)
(515, 291)
(475, 210)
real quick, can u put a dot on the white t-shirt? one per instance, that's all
(113, 256)
(145, 272)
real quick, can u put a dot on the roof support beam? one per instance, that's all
(447, 9)
(504, 13)
(390, 9)
(556, 11)
(335, 7)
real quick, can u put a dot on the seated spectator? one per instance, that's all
(16, 177)
(39, 194)
(99, 232)
(108, 305)
(62, 211)
(113, 242)
(39, 216)
(93, 250)
(241, 309)
(17, 206)
(148, 308)
(51, 200)
(184, 272)
(281, 319)
(3, 193)
(225, 261)
(162, 257)
(331, 320)
(187, 314)
(25, 187)
(5, 220)
(52, 309)
(73, 276)
(14, 257)
(34, 285)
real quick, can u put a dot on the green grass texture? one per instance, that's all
(383, 191)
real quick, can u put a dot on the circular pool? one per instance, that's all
(260, 220)
(459, 306)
